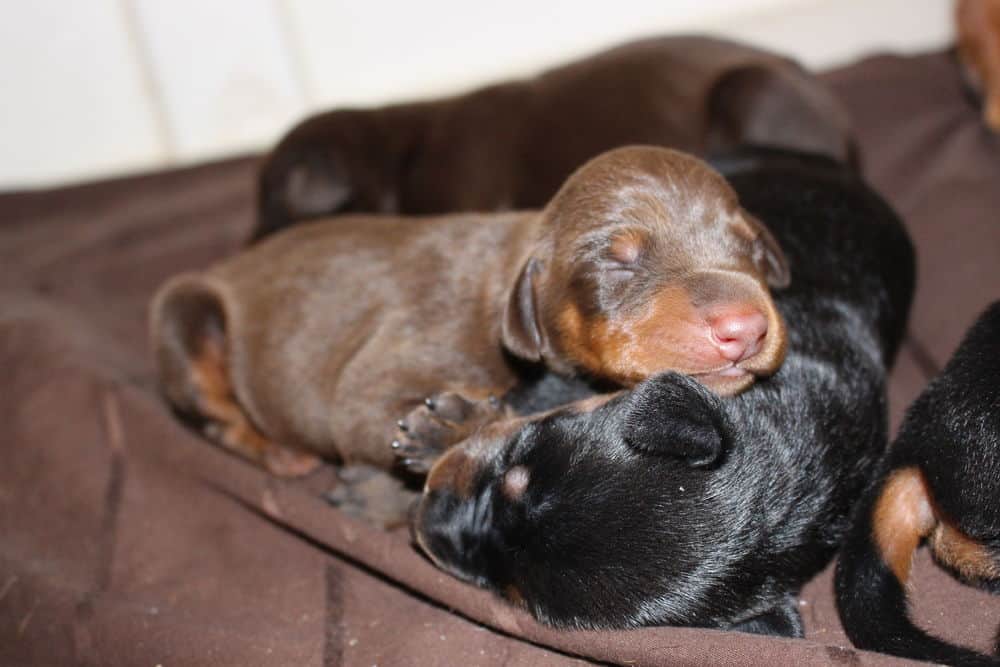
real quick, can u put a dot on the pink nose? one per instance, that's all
(738, 332)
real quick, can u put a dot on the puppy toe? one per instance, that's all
(406, 448)
(450, 406)
(443, 420)
(425, 426)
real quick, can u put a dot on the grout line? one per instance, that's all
(292, 42)
(150, 82)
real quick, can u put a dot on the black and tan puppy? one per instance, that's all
(511, 145)
(313, 343)
(667, 504)
(940, 483)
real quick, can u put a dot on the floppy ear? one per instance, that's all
(316, 186)
(777, 104)
(296, 186)
(768, 255)
(672, 415)
(189, 342)
(520, 332)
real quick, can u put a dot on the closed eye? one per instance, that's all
(620, 275)
(616, 269)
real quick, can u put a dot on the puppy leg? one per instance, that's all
(189, 339)
(443, 420)
(782, 621)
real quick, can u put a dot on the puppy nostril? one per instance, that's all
(738, 334)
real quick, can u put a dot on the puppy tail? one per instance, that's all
(874, 565)
(188, 340)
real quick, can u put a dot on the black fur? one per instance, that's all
(670, 505)
(951, 433)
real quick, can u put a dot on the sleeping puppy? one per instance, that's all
(940, 483)
(667, 504)
(978, 26)
(511, 145)
(313, 343)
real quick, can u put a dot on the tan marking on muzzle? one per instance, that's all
(671, 334)
(630, 351)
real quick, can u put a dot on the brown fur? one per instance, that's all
(968, 557)
(905, 514)
(511, 145)
(329, 332)
(978, 24)
(902, 519)
(455, 470)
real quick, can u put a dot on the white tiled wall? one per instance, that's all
(108, 86)
(72, 96)
(223, 69)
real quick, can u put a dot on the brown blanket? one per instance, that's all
(127, 540)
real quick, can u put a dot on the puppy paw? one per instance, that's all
(443, 420)
(372, 495)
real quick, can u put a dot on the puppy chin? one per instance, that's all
(728, 381)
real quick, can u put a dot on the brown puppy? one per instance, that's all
(978, 24)
(313, 343)
(510, 146)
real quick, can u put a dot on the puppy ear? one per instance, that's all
(316, 185)
(777, 104)
(520, 332)
(188, 338)
(672, 415)
(768, 255)
(297, 186)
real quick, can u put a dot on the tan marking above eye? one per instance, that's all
(515, 482)
(627, 246)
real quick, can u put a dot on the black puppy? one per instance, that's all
(939, 482)
(669, 505)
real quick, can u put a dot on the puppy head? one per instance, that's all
(324, 166)
(647, 263)
(600, 514)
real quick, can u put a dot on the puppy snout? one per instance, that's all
(738, 333)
